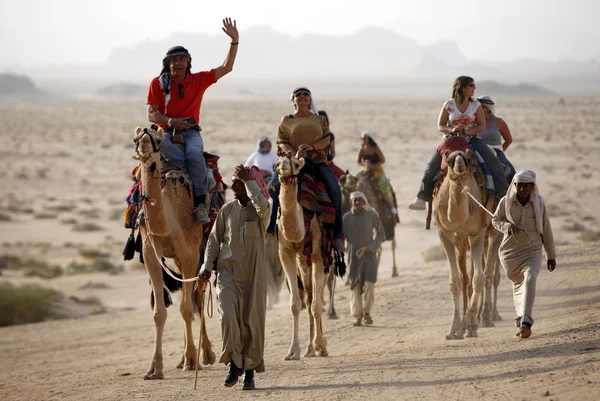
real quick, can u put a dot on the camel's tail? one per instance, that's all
(169, 285)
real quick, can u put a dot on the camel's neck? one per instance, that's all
(292, 218)
(150, 176)
(458, 203)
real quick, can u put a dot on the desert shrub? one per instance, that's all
(92, 253)
(433, 254)
(83, 227)
(590, 236)
(91, 285)
(44, 216)
(27, 303)
(5, 217)
(575, 227)
(46, 272)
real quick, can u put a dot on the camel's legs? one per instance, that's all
(476, 242)
(187, 313)
(394, 268)
(155, 371)
(207, 354)
(497, 276)
(305, 275)
(319, 280)
(456, 329)
(460, 245)
(288, 261)
(331, 281)
(491, 262)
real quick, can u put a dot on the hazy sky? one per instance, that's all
(37, 32)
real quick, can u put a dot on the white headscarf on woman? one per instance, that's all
(311, 107)
(526, 177)
(487, 101)
(358, 194)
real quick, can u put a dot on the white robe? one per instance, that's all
(237, 242)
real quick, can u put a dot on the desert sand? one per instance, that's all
(64, 181)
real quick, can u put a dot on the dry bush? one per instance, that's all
(91, 285)
(90, 213)
(45, 272)
(92, 253)
(97, 265)
(86, 227)
(27, 303)
(45, 216)
(5, 217)
(63, 207)
(86, 301)
(69, 220)
(434, 254)
(590, 236)
(575, 228)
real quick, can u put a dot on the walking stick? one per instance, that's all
(199, 335)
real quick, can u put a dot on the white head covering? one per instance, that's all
(311, 107)
(358, 194)
(487, 101)
(526, 177)
(369, 134)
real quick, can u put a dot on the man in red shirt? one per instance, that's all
(174, 100)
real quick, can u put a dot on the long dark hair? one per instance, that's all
(457, 89)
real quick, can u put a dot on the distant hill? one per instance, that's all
(123, 89)
(18, 85)
(493, 88)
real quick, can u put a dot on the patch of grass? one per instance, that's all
(590, 236)
(27, 303)
(434, 254)
(92, 253)
(575, 228)
(87, 227)
(5, 217)
(69, 220)
(98, 265)
(44, 272)
(44, 216)
(91, 285)
(63, 207)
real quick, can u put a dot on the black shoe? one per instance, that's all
(233, 374)
(249, 380)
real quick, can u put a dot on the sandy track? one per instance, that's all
(402, 356)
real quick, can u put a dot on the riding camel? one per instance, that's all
(462, 223)
(291, 244)
(169, 230)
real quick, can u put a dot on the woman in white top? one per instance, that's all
(461, 115)
(263, 158)
(496, 134)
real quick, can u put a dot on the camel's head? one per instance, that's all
(288, 166)
(458, 162)
(147, 143)
(348, 182)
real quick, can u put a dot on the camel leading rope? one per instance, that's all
(200, 336)
(466, 189)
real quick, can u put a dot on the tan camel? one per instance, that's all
(349, 184)
(461, 222)
(275, 276)
(291, 244)
(488, 306)
(169, 230)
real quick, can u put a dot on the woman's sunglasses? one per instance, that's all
(298, 94)
(180, 89)
(472, 85)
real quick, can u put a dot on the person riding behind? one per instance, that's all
(331, 149)
(496, 130)
(305, 134)
(263, 158)
(371, 158)
(461, 116)
(174, 101)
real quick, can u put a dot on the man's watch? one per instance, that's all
(170, 123)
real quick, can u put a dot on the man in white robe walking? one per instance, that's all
(523, 218)
(237, 244)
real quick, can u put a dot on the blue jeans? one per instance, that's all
(502, 157)
(190, 161)
(333, 190)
